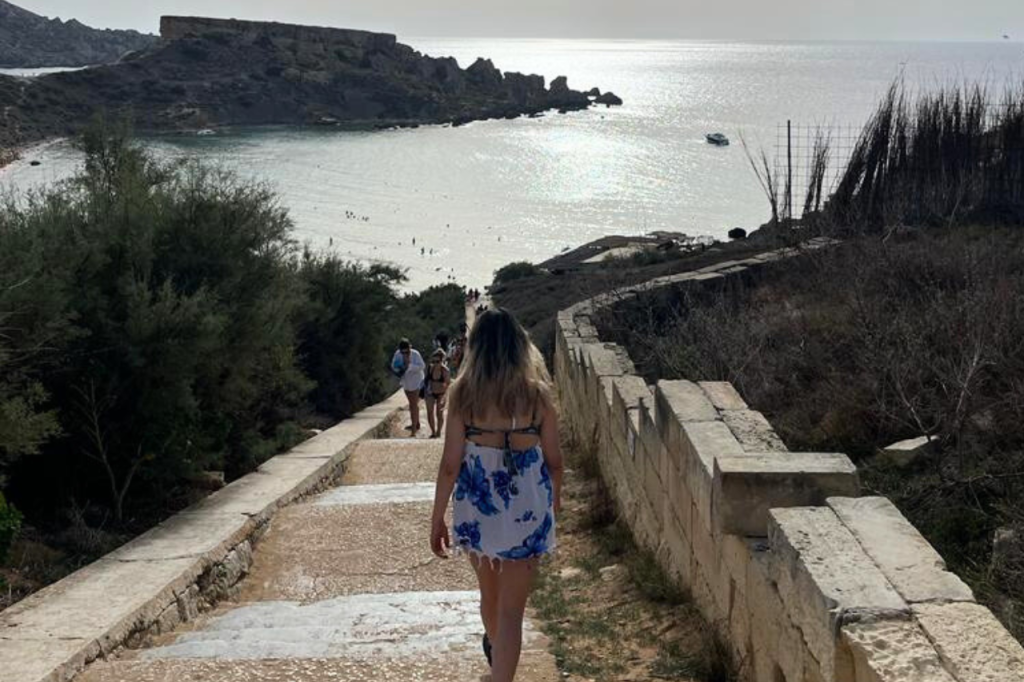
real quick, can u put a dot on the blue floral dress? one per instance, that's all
(504, 503)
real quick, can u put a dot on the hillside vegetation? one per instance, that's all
(159, 322)
(914, 326)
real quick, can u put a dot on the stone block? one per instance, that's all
(722, 395)
(906, 452)
(747, 487)
(909, 562)
(678, 499)
(971, 643)
(735, 557)
(650, 437)
(826, 580)
(653, 488)
(629, 392)
(702, 444)
(753, 431)
(892, 651)
(705, 550)
(678, 554)
(683, 400)
(602, 361)
(188, 534)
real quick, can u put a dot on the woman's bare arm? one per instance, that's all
(451, 461)
(551, 444)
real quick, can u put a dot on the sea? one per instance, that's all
(454, 204)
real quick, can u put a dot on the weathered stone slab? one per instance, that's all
(971, 643)
(685, 401)
(723, 395)
(909, 562)
(188, 534)
(702, 444)
(629, 392)
(103, 602)
(893, 651)
(826, 580)
(753, 431)
(44, 660)
(602, 361)
(906, 452)
(746, 487)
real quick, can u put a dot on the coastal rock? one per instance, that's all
(484, 74)
(525, 90)
(210, 73)
(593, 92)
(609, 99)
(559, 86)
(28, 40)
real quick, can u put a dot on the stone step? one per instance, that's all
(405, 635)
(535, 666)
(319, 551)
(409, 460)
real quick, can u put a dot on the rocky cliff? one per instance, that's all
(208, 73)
(28, 40)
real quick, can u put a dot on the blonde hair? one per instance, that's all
(502, 369)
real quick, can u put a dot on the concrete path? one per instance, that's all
(343, 588)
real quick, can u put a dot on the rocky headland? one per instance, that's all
(28, 40)
(206, 73)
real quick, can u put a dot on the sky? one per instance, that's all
(702, 19)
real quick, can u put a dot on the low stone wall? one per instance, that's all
(805, 580)
(176, 570)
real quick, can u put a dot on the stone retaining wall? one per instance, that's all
(176, 570)
(806, 580)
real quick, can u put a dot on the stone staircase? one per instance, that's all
(343, 587)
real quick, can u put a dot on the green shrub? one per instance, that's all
(159, 320)
(514, 271)
(10, 525)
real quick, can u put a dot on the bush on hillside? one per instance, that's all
(513, 271)
(10, 525)
(160, 320)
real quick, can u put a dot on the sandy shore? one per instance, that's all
(14, 155)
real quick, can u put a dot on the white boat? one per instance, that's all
(717, 139)
(205, 132)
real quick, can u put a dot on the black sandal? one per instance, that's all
(487, 649)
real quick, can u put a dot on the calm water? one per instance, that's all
(479, 196)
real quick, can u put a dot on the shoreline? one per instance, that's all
(13, 155)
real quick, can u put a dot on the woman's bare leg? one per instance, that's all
(514, 581)
(487, 578)
(434, 430)
(414, 409)
(440, 415)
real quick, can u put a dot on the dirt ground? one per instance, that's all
(609, 610)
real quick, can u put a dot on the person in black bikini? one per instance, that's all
(438, 379)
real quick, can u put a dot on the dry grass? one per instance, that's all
(609, 609)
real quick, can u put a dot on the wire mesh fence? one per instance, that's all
(810, 154)
(797, 146)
